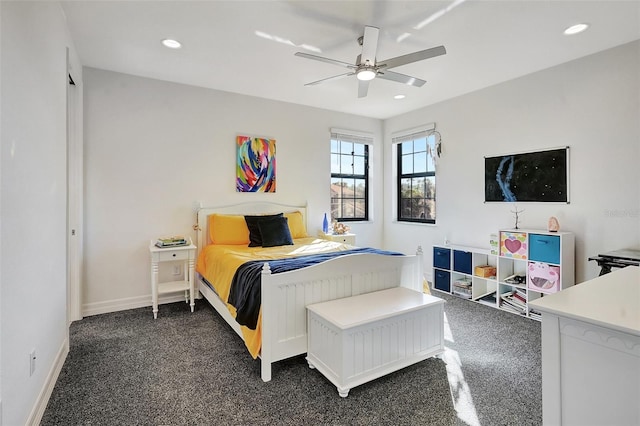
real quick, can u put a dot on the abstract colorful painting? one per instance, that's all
(256, 164)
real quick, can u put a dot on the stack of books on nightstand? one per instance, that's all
(171, 242)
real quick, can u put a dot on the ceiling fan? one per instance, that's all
(367, 68)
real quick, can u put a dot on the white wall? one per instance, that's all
(590, 104)
(152, 148)
(1, 191)
(33, 204)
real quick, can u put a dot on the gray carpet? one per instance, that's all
(186, 368)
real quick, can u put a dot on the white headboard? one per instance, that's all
(260, 207)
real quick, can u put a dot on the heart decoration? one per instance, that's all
(512, 245)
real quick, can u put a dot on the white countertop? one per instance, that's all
(611, 300)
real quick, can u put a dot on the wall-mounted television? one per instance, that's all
(541, 176)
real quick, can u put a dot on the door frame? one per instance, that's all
(75, 187)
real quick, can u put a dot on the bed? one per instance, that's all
(281, 330)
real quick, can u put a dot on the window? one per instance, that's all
(349, 177)
(416, 176)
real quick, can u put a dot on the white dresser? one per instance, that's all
(591, 352)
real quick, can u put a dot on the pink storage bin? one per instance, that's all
(543, 277)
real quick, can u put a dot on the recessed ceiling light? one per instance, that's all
(399, 97)
(575, 29)
(172, 44)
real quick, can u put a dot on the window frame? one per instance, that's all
(412, 135)
(355, 138)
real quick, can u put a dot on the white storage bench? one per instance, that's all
(357, 339)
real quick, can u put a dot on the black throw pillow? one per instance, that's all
(255, 237)
(275, 232)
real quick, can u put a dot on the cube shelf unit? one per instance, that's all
(545, 261)
(456, 264)
(529, 264)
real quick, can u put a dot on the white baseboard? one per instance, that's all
(98, 308)
(87, 310)
(47, 389)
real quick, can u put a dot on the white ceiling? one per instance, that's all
(487, 42)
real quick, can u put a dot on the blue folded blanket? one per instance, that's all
(245, 293)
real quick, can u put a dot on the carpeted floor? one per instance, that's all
(186, 368)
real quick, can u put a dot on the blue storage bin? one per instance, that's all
(544, 248)
(462, 261)
(442, 280)
(441, 258)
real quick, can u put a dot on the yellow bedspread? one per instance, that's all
(218, 264)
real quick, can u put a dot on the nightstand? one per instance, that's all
(339, 238)
(185, 254)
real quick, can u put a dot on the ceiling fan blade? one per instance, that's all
(363, 88)
(412, 57)
(335, 77)
(327, 60)
(401, 78)
(369, 45)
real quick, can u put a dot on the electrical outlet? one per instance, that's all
(177, 270)
(32, 362)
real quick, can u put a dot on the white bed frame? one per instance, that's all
(286, 295)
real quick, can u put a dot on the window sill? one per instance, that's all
(357, 222)
(401, 222)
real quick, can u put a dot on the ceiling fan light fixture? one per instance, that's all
(367, 68)
(366, 74)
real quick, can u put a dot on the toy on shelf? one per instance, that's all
(553, 225)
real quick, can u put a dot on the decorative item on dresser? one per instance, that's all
(281, 328)
(173, 250)
(529, 263)
(340, 228)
